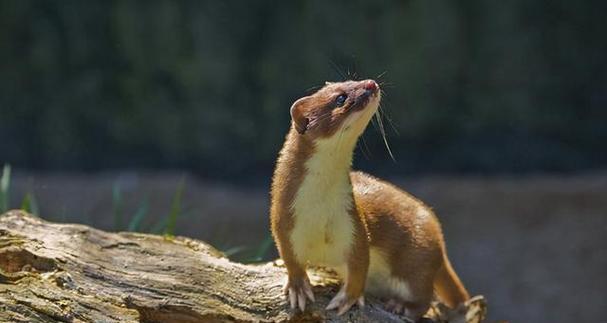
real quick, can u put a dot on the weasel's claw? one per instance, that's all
(297, 294)
(361, 301)
(292, 297)
(302, 301)
(308, 290)
(343, 303)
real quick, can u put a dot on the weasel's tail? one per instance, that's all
(448, 286)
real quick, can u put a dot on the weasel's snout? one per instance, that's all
(364, 92)
(371, 86)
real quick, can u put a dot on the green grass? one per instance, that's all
(262, 250)
(117, 206)
(140, 214)
(166, 225)
(5, 183)
(29, 204)
(176, 209)
(247, 254)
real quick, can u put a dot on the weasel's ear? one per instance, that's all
(297, 115)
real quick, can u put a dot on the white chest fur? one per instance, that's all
(323, 229)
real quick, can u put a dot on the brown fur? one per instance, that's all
(448, 285)
(317, 116)
(414, 244)
(384, 217)
(289, 174)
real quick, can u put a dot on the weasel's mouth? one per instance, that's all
(370, 89)
(363, 100)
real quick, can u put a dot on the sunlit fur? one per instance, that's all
(378, 238)
(322, 231)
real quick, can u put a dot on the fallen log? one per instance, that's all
(73, 273)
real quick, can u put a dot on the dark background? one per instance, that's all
(471, 86)
(127, 115)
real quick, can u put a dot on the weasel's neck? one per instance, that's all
(331, 159)
(327, 170)
(317, 169)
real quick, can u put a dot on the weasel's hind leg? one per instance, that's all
(413, 302)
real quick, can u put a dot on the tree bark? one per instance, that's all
(73, 273)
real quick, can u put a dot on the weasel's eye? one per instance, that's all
(341, 100)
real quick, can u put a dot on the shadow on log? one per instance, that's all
(73, 273)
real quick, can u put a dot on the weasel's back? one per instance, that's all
(386, 206)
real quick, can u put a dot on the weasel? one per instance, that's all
(378, 238)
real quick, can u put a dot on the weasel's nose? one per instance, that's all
(370, 85)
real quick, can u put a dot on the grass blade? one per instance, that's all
(233, 251)
(117, 205)
(142, 211)
(262, 249)
(29, 204)
(176, 209)
(160, 226)
(5, 182)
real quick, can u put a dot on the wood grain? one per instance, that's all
(73, 273)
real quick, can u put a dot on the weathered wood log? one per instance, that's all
(73, 273)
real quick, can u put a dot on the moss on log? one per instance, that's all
(73, 273)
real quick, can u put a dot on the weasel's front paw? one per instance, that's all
(297, 290)
(342, 302)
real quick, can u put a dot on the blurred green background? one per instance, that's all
(167, 116)
(471, 86)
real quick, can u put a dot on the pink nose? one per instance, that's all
(371, 85)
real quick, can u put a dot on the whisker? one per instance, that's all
(338, 70)
(314, 88)
(383, 133)
(365, 149)
(385, 115)
(322, 117)
(387, 84)
(341, 135)
(374, 122)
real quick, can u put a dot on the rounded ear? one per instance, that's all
(297, 115)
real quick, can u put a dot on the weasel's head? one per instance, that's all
(337, 108)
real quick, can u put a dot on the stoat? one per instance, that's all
(379, 239)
